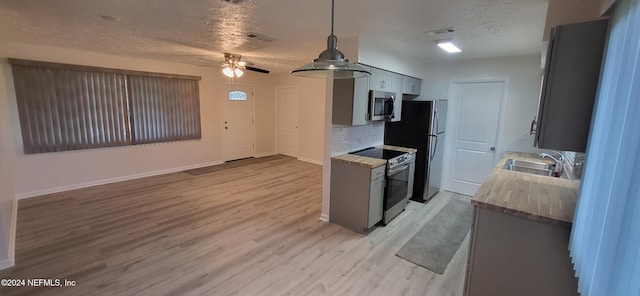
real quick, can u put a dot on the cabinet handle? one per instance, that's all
(532, 131)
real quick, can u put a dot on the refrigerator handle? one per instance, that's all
(434, 147)
(436, 120)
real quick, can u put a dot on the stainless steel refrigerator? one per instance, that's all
(422, 127)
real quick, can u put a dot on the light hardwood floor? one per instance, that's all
(251, 230)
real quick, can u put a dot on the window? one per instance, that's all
(237, 95)
(68, 107)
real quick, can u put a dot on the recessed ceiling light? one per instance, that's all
(448, 46)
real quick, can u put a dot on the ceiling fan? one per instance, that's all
(234, 66)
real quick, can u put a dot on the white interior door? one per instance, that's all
(475, 131)
(287, 120)
(237, 122)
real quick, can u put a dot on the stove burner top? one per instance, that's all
(378, 153)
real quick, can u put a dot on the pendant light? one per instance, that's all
(331, 61)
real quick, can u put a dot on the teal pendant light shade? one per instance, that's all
(331, 61)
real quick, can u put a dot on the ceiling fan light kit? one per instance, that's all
(238, 72)
(233, 66)
(331, 61)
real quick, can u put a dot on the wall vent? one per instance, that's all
(441, 32)
(233, 1)
(256, 36)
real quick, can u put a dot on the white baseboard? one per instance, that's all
(6, 263)
(263, 154)
(318, 162)
(112, 180)
(324, 217)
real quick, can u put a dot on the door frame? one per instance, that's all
(223, 87)
(454, 106)
(277, 133)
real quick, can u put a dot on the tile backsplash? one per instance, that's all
(351, 138)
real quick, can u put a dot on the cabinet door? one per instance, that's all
(351, 101)
(376, 80)
(407, 85)
(411, 86)
(376, 193)
(388, 81)
(360, 101)
(397, 104)
(570, 85)
(382, 80)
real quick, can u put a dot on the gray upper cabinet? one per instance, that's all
(382, 80)
(411, 86)
(351, 96)
(569, 85)
(351, 101)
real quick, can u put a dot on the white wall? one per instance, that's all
(311, 105)
(7, 204)
(522, 98)
(381, 58)
(38, 174)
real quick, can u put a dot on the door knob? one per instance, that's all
(492, 148)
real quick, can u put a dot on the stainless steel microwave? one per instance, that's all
(381, 105)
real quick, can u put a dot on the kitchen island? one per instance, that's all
(520, 233)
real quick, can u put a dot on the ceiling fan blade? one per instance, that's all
(257, 70)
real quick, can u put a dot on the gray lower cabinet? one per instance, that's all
(511, 255)
(356, 195)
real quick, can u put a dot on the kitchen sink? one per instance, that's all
(536, 168)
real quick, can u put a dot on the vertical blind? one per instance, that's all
(63, 109)
(605, 239)
(67, 107)
(164, 109)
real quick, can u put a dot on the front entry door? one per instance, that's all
(475, 133)
(237, 122)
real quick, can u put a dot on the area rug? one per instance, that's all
(234, 164)
(438, 240)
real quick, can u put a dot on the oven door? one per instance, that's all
(381, 105)
(397, 185)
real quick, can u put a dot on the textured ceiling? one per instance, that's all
(198, 30)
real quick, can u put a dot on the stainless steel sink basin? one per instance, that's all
(537, 168)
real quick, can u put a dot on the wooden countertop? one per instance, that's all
(360, 160)
(370, 161)
(547, 199)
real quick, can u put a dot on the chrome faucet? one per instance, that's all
(559, 167)
(557, 160)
